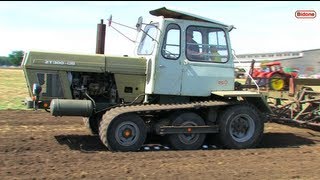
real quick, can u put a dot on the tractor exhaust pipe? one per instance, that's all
(101, 35)
(68, 107)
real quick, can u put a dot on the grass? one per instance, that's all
(13, 89)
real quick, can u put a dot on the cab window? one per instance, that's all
(206, 44)
(171, 46)
(148, 41)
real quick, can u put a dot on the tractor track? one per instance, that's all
(115, 112)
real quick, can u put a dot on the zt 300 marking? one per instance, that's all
(57, 62)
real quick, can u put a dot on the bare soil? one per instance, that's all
(35, 145)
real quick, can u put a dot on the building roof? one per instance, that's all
(169, 13)
(311, 50)
(278, 52)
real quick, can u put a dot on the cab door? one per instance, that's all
(212, 69)
(168, 67)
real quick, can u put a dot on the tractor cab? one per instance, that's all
(187, 55)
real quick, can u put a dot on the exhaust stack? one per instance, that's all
(101, 35)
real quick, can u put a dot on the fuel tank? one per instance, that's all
(68, 107)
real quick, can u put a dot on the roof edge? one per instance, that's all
(170, 13)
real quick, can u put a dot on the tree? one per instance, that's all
(4, 61)
(16, 57)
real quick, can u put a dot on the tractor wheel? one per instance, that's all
(277, 82)
(92, 124)
(126, 132)
(240, 127)
(187, 141)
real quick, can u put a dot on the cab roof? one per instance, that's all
(169, 13)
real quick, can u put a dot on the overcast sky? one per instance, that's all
(71, 26)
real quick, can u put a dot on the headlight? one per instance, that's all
(36, 89)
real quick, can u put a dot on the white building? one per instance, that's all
(307, 62)
(246, 59)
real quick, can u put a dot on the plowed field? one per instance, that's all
(35, 145)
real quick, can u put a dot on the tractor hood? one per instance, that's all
(83, 63)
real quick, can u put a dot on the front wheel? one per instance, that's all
(126, 132)
(240, 127)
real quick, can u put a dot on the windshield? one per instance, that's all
(148, 42)
(206, 44)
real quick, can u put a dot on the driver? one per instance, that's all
(193, 49)
(192, 45)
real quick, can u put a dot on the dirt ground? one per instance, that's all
(35, 145)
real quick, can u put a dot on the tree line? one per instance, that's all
(13, 59)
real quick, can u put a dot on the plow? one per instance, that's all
(298, 105)
(293, 100)
(301, 107)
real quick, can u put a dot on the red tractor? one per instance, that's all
(273, 75)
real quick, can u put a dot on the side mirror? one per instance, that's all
(139, 24)
(36, 89)
(110, 20)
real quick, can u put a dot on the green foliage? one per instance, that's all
(16, 57)
(5, 61)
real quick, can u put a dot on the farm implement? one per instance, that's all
(299, 105)
(292, 100)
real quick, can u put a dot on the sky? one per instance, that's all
(71, 26)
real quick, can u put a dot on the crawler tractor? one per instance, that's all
(164, 91)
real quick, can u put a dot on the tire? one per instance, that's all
(277, 82)
(126, 132)
(92, 124)
(187, 141)
(244, 118)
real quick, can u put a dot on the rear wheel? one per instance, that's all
(187, 141)
(277, 82)
(240, 127)
(126, 132)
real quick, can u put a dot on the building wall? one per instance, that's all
(308, 65)
(307, 62)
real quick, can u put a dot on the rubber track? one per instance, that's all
(113, 113)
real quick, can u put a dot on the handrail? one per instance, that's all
(247, 72)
